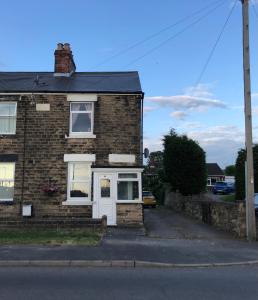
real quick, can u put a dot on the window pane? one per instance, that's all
(6, 190)
(7, 109)
(81, 122)
(80, 171)
(81, 106)
(79, 189)
(6, 171)
(127, 190)
(127, 175)
(7, 125)
(105, 188)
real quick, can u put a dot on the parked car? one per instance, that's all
(148, 199)
(256, 204)
(222, 187)
(231, 185)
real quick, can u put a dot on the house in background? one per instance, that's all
(214, 174)
(71, 144)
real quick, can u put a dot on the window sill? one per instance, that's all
(7, 135)
(81, 136)
(76, 202)
(6, 202)
(129, 201)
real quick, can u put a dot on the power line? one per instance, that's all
(157, 33)
(216, 44)
(175, 35)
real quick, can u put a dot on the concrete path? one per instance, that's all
(164, 223)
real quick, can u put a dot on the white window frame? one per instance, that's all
(4, 116)
(137, 179)
(77, 200)
(9, 180)
(82, 133)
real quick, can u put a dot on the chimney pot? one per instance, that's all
(59, 46)
(67, 46)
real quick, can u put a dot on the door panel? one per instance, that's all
(105, 198)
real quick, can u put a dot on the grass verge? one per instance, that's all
(228, 198)
(88, 237)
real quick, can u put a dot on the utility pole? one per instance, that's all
(250, 212)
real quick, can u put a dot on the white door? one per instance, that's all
(105, 198)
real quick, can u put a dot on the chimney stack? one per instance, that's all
(64, 63)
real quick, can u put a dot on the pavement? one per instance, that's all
(168, 239)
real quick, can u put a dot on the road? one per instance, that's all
(82, 283)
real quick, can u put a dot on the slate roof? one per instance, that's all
(214, 169)
(79, 82)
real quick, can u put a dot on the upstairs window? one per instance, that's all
(6, 181)
(7, 117)
(81, 118)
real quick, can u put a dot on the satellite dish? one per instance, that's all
(146, 153)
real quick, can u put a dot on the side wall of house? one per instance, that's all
(40, 144)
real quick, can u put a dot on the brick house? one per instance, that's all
(214, 174)
(71, 144)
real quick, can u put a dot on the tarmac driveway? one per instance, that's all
(164, 223)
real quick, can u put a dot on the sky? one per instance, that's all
(167, 41)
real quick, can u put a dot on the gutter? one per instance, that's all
(72, 92)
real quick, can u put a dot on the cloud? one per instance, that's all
(147, 109)
(180, 115)
(254, 95)
(218, 133)
(191, 125)
(221, 143)
(153, 144)
(198, 98)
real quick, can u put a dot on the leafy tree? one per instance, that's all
(155, 160)
(153, 175)
(240, 172)
(230, 170)
(184, 164)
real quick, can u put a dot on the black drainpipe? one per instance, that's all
(24, 147)
(142, 127)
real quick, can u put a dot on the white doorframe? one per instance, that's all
(104, 204)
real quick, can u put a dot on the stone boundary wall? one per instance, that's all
(68, 223)
(226, 216)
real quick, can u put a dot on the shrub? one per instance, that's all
(184, 164)
(240, 172)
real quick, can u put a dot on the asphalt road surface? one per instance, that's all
(87, 283)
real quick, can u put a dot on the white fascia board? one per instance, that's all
(121, 158)
(82, 97)
(80, 157)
